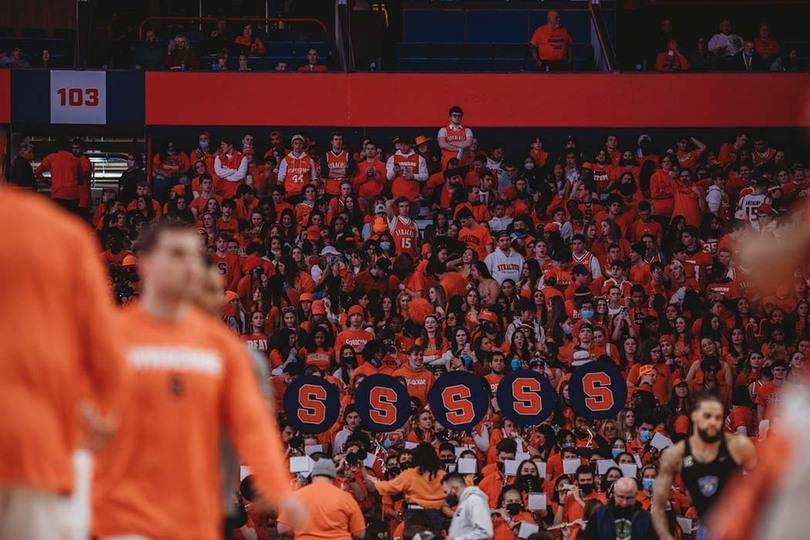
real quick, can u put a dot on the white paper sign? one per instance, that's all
(660, 441)
(527, 529)
(638, 461)
(410, 445)
(541, 469)
(78, 97)
(467, 466)
(629, 469)
(300, 464)
(313, 449)
(244, 471)
(510, 467)
(603, 465)
(520, 457)
(537, 501)
(570, 466)
(459, 450)
(370, 460)
(685, 524)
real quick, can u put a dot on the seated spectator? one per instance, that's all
(181, 56)
(45, 60)
(311, 65)
(765, 46)
(724, 44)
(222, 62)
(791, 62)
(551, 45)
(219, 38)
(699, 58)
(14, 60)
(247, 43)
(148, 53)
(671, 60)
(243, 63)
(747, 60)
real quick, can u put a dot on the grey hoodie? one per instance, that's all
(472, 520)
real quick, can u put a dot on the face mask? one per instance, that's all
(515, 364)
(204, 145)
(645, 436)
(616, 452)
(586, 489)
(405, 466)
(647, 483)
(529, 166)
(749, 54)
(587, 314)
(451, 499)
(529, 481)
(413, 366)
(567, 330)
(385, 246)
(247, 145)
(387, 444)
(171, 152)
(392, 472)
(130, 163)
(513, 509)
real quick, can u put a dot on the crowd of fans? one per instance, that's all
(626, 254)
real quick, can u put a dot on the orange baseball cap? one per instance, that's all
(230, 296)
(318, 308)
(356, 310)
(645, 370)
(306, 297)
(676, 382)
(129, 260)
(488, 316)
(313, 233)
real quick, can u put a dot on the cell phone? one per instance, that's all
(623, 310)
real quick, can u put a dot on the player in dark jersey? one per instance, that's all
(706, 460)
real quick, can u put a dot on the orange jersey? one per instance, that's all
(59, 342)
(297, 173)
(188, 379)
(452, 134)
(340, 164)
(404, 187)
(230, 268)
(405, 234)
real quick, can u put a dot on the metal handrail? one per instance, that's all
(608, 52)
(245, 19)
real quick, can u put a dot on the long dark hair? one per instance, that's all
(426, 460)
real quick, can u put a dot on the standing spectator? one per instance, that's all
(131, 177)
(247, 43)
(181, 56)
(337, 165)
(724, 45)
(21, 173)
(672, 60)
(407, 170)
(86, 172)
(551, 45)
(471, 520)
(15, 60)
(65, 177)
(455, 138)
(505, 263)
(296, 170)
(312, 63)
(622, 516)
(66, 292)
(766, 47)
(332, 512)
(148, 53)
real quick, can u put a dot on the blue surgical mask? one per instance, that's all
(567, 329)
(647, 483)
(130, 163)
(616, 452)
(204, 145)
(413, 366)
(645, 436)
(515, 364)
(749, 54)
(385, 246)
(586, 314)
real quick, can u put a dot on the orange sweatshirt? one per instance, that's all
(417, 487)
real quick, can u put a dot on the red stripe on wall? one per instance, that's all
(5, 96)
(489, 100)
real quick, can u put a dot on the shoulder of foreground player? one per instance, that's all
(741, 448)
(672, 455)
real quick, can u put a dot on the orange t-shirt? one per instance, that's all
(551, 43)
(58, 335)
(162, 478)
(477, 238)
(356, 338)
(65, 174)
(332, 513)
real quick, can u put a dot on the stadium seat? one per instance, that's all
(488, 27)
(431, 25)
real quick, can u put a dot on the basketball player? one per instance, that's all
(706, 460)
(58, 357)
(189, 380)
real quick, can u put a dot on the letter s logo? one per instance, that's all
(527, 396)
(312, 399)
(456, 400)
(382, 401)
(598, 395)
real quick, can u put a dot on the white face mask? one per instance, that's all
(529, 166)
(385, 246)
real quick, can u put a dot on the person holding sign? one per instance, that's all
(510, 515)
